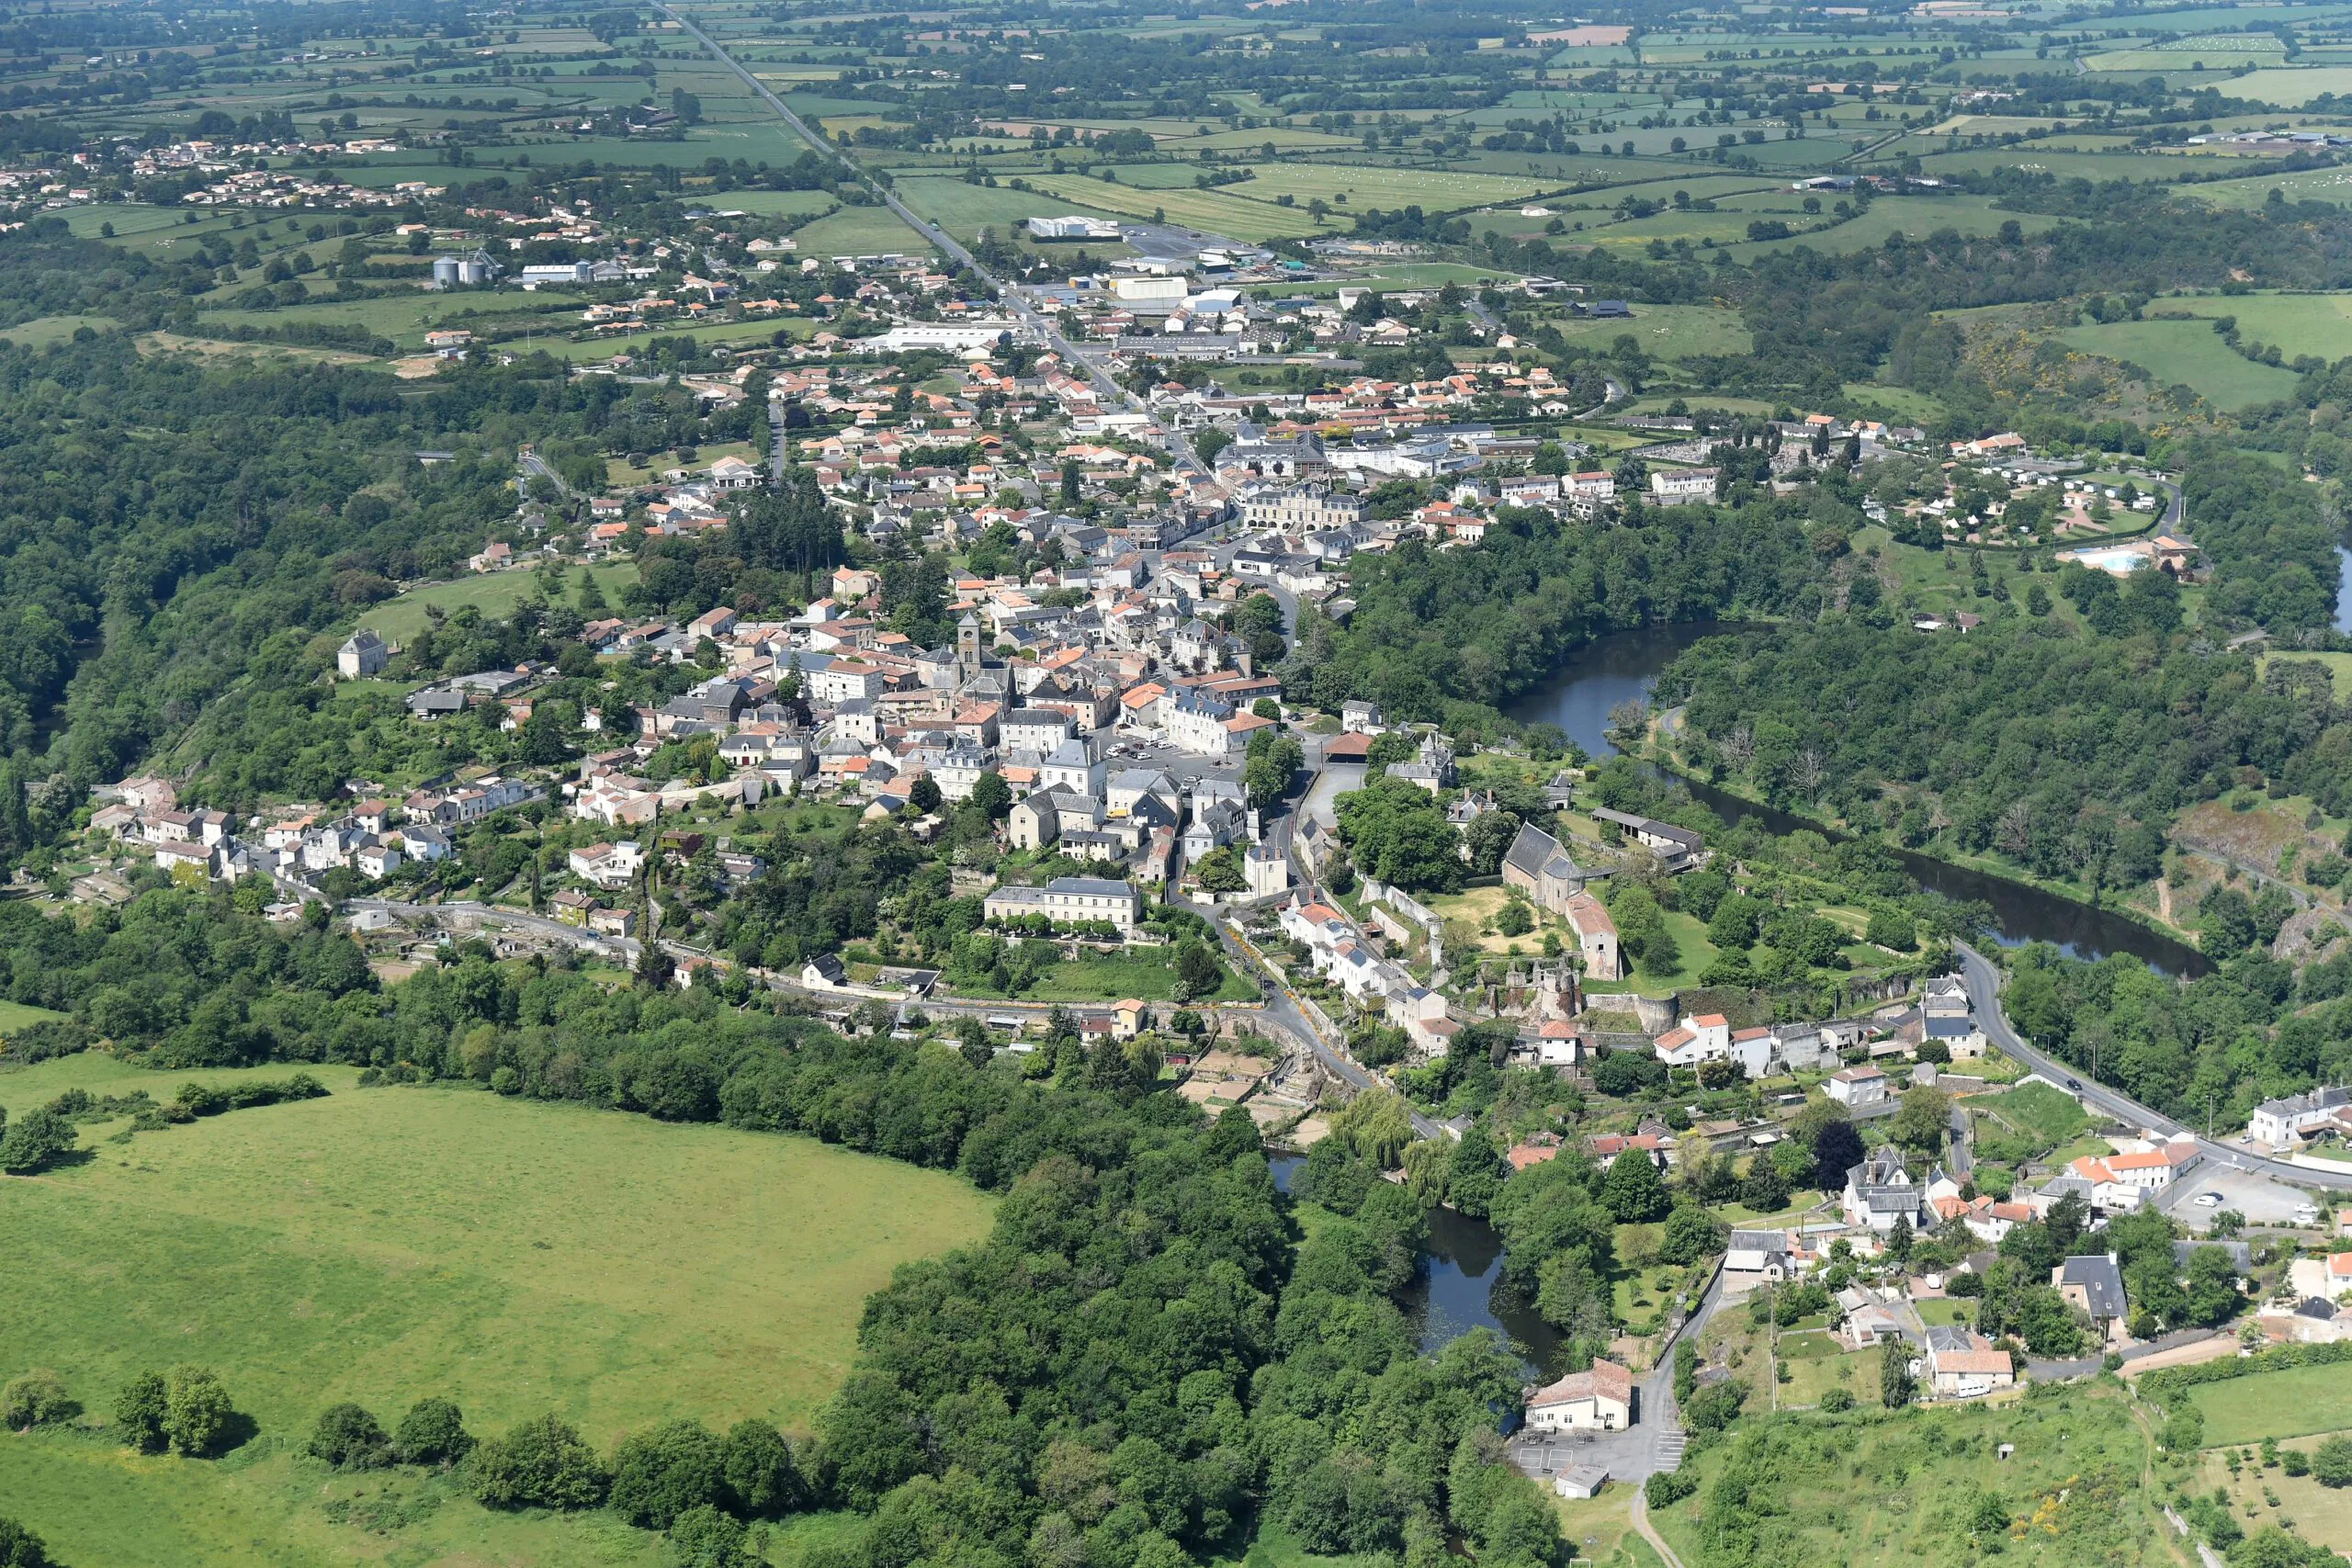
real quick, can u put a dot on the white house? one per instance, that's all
(1679, 487)
(1705, 1038)
(1857, 1087)
(609, 866)
(1601, 1400)
(2282, 1121)
(1962, 1365)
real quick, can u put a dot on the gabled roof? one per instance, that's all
(1607, 1380)
(2100, 1280)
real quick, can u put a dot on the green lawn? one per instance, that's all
(2191, 352)
(858, 231)
(2286, 1404)
(494, 594)
(384, 1245)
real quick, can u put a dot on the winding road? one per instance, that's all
(1984, 996)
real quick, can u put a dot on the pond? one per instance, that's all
(1461, 1286)
(1625, 665)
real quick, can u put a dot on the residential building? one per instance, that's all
(2093, 1283)
(362, 654)
(1856, 1087)
(1966, 1365)
(1536, 862)
(2280, 1122)
(1679, 487)
(1596, 935)
(1069, 900)
(609, 866)
(1599, 1400)
(1305, 509)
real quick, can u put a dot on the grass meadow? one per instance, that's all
(15, 1015)
(2189, 352)
(494, 594)
(2289, 1403)
(383, 1244)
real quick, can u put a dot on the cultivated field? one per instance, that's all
(384, 1245)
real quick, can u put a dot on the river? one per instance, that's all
(1461, 1286)
(1625, 664)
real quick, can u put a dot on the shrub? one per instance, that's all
(2294, 1461)
(19, 1548)
(762, 1482)
(2332, 1462)
(139, 1411)
(1837, 1399)
(348, 1438)
(1668, 1486)
(432, 1432)
(195, 1412)
(540, 1464)
(36, 1399)
(658, 1475)
(705, 1538)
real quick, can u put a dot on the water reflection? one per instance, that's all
(1461, 1286)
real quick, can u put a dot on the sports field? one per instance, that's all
(2187, 351)
(384, 1245)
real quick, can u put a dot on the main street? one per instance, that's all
(1045, 329)
(1984, 995)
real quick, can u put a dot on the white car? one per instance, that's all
(2209, 1200)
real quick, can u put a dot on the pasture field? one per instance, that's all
(1665, 331)
(2298, 323)
(1913, 219)
(2291, 87)
(2294, 1403)
(2187, 352)
(42, 330)
(1432, 190)
(2310, 185)
(16, 1015)
(494, 594)
(384, 1245)
(858, 231)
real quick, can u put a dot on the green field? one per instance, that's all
(383, 1244)
(2298, 323)
(2290, 87)
(1666, 332)
(2289, 1403)
(859, 232)
(15, 1016)
(965, 209)
(1217, 212)
(1148, 974)
(2187, 351)
(42, 330)
(2310, 185)
(494, 594)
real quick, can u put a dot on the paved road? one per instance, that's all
(1176, 447)
(536, 467)
(2084, 1366)
(1984, 994)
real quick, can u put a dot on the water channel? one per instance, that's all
(1461, 1286)
(1625, 664)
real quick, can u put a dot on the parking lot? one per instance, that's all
(2262, 1200)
